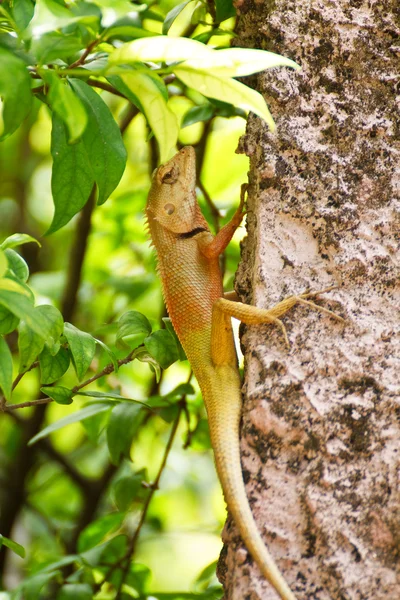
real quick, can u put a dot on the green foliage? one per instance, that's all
(87, 356)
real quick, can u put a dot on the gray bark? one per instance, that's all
(321, 423)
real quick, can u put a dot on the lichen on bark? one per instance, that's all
(321, 421)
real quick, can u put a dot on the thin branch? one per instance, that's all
(85, 54)
(76, 258)
(214, 210)
(106, 371)
(106, 87)
(146, 505)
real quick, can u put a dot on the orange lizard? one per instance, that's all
(192, 285)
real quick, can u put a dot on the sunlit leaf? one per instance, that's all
(172, 15)
(67, 105)
(82, 346)
(17, 299)
(3, 263)
(17, 239)
(79, 415)
(161, 119)
(160, 49)
(124, 422)
(239, 62)
(75, 591)
(6, 368)
(223, 89)
(15, 91)
(51, 15)
(59, 394)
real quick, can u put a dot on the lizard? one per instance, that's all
(188, 263)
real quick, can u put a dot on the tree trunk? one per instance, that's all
(321, 419)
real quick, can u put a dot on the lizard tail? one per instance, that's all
(224, 431)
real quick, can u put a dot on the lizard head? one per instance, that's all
(172, 200)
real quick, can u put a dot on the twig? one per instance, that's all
(85, 54)
(106, 371)
(105, 86)
(146, 505)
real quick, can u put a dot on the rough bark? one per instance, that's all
(321, 420)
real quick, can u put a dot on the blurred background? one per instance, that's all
(66, 489)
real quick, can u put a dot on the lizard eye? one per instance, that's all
(170, 176)
(169, 208)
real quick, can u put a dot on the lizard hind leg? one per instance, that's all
(224, 309)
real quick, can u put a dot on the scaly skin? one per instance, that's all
(188, 265)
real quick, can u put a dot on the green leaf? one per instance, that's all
(22, 12)
(75, 591)
(54, 46)
(30, 344)
(17, 239)
(32, 585)
(51, 15)
(133, 327)
(129, 489)
(162, 347)
(224, 10)
(160, 49)
(6, 369)
(123, 424)
(8, 321)
(110, 396)
(17, 299)
(220, 88)
(79, 415)
(206, 576)
(72, 179)
(198, 113)
(110, 353)
(109, 552)
(102, 140)
(97, 530)
(61, 395)
(172, 15)
(17, 548)
(162, 120)
(15, 90)
(53, 367)
(170, 328)
(82, 346)
(238, 62)
(17, 265)
(3, 263)
(67, 105)
(128, 31)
